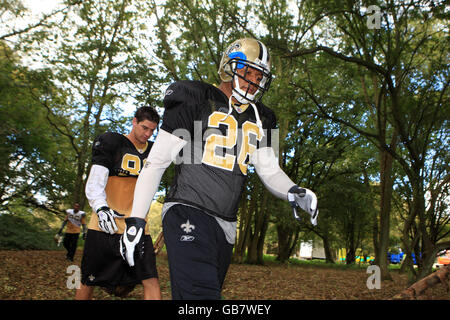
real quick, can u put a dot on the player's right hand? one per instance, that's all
(106, 220)
(132, 240)
(304, 199)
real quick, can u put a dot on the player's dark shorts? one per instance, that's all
(198, 252)
(102, 264)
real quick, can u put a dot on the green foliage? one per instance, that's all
(342, 93)
(33, 157)
(25, 232)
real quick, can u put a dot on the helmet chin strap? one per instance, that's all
(258, 119)
(241, 97)
(230, 108)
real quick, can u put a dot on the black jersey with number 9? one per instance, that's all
(124, 161)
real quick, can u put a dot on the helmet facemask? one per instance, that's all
(241, 60)
(238, 68)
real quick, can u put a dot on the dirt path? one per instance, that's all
(42, 275)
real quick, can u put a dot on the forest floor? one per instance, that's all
(43, 275)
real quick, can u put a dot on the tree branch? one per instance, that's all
(368, 64)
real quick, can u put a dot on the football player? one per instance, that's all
(220, 130)
(117, 160)
(75, 219)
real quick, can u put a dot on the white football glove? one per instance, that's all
(106, 220)
(132, 239)
(306, 200)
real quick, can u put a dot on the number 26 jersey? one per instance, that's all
(211, 170)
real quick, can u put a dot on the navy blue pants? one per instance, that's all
(70, 242)
(198, 252)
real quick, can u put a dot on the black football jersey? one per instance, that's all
(124, 162)
(211, 170)
(117, 153)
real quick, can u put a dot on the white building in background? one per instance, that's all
(311, 250)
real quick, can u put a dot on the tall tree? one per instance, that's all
(36, 170)
(97, 65)
(31, 165)
(405, 53)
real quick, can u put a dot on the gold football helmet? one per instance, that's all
(241, 55)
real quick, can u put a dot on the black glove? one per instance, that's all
(106, 220)
(132, 239)
(60, 231)
(306, 200)
(84, 231)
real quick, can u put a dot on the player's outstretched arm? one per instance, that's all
(270, 173)
(163, 152)
(281, 186)
(63, 224)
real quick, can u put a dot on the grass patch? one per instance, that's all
(321, 263)
(25, 233)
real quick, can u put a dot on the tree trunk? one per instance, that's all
(294, 243)
(258, 232)
(351, 249)
(386, 182)
(247, 210)
(375, 235)
(328, 254)
(424, 261)
(385, 212)
(254, 255)
(285, 235)
(262, 236)
(418, 288)
(428, 259)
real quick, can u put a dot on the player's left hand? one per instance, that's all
(132, 239)
(306, 200)
(106, 219)
(57, 238)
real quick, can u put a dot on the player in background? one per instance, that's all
(117, 160)
(74, 220)
(220, 130)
